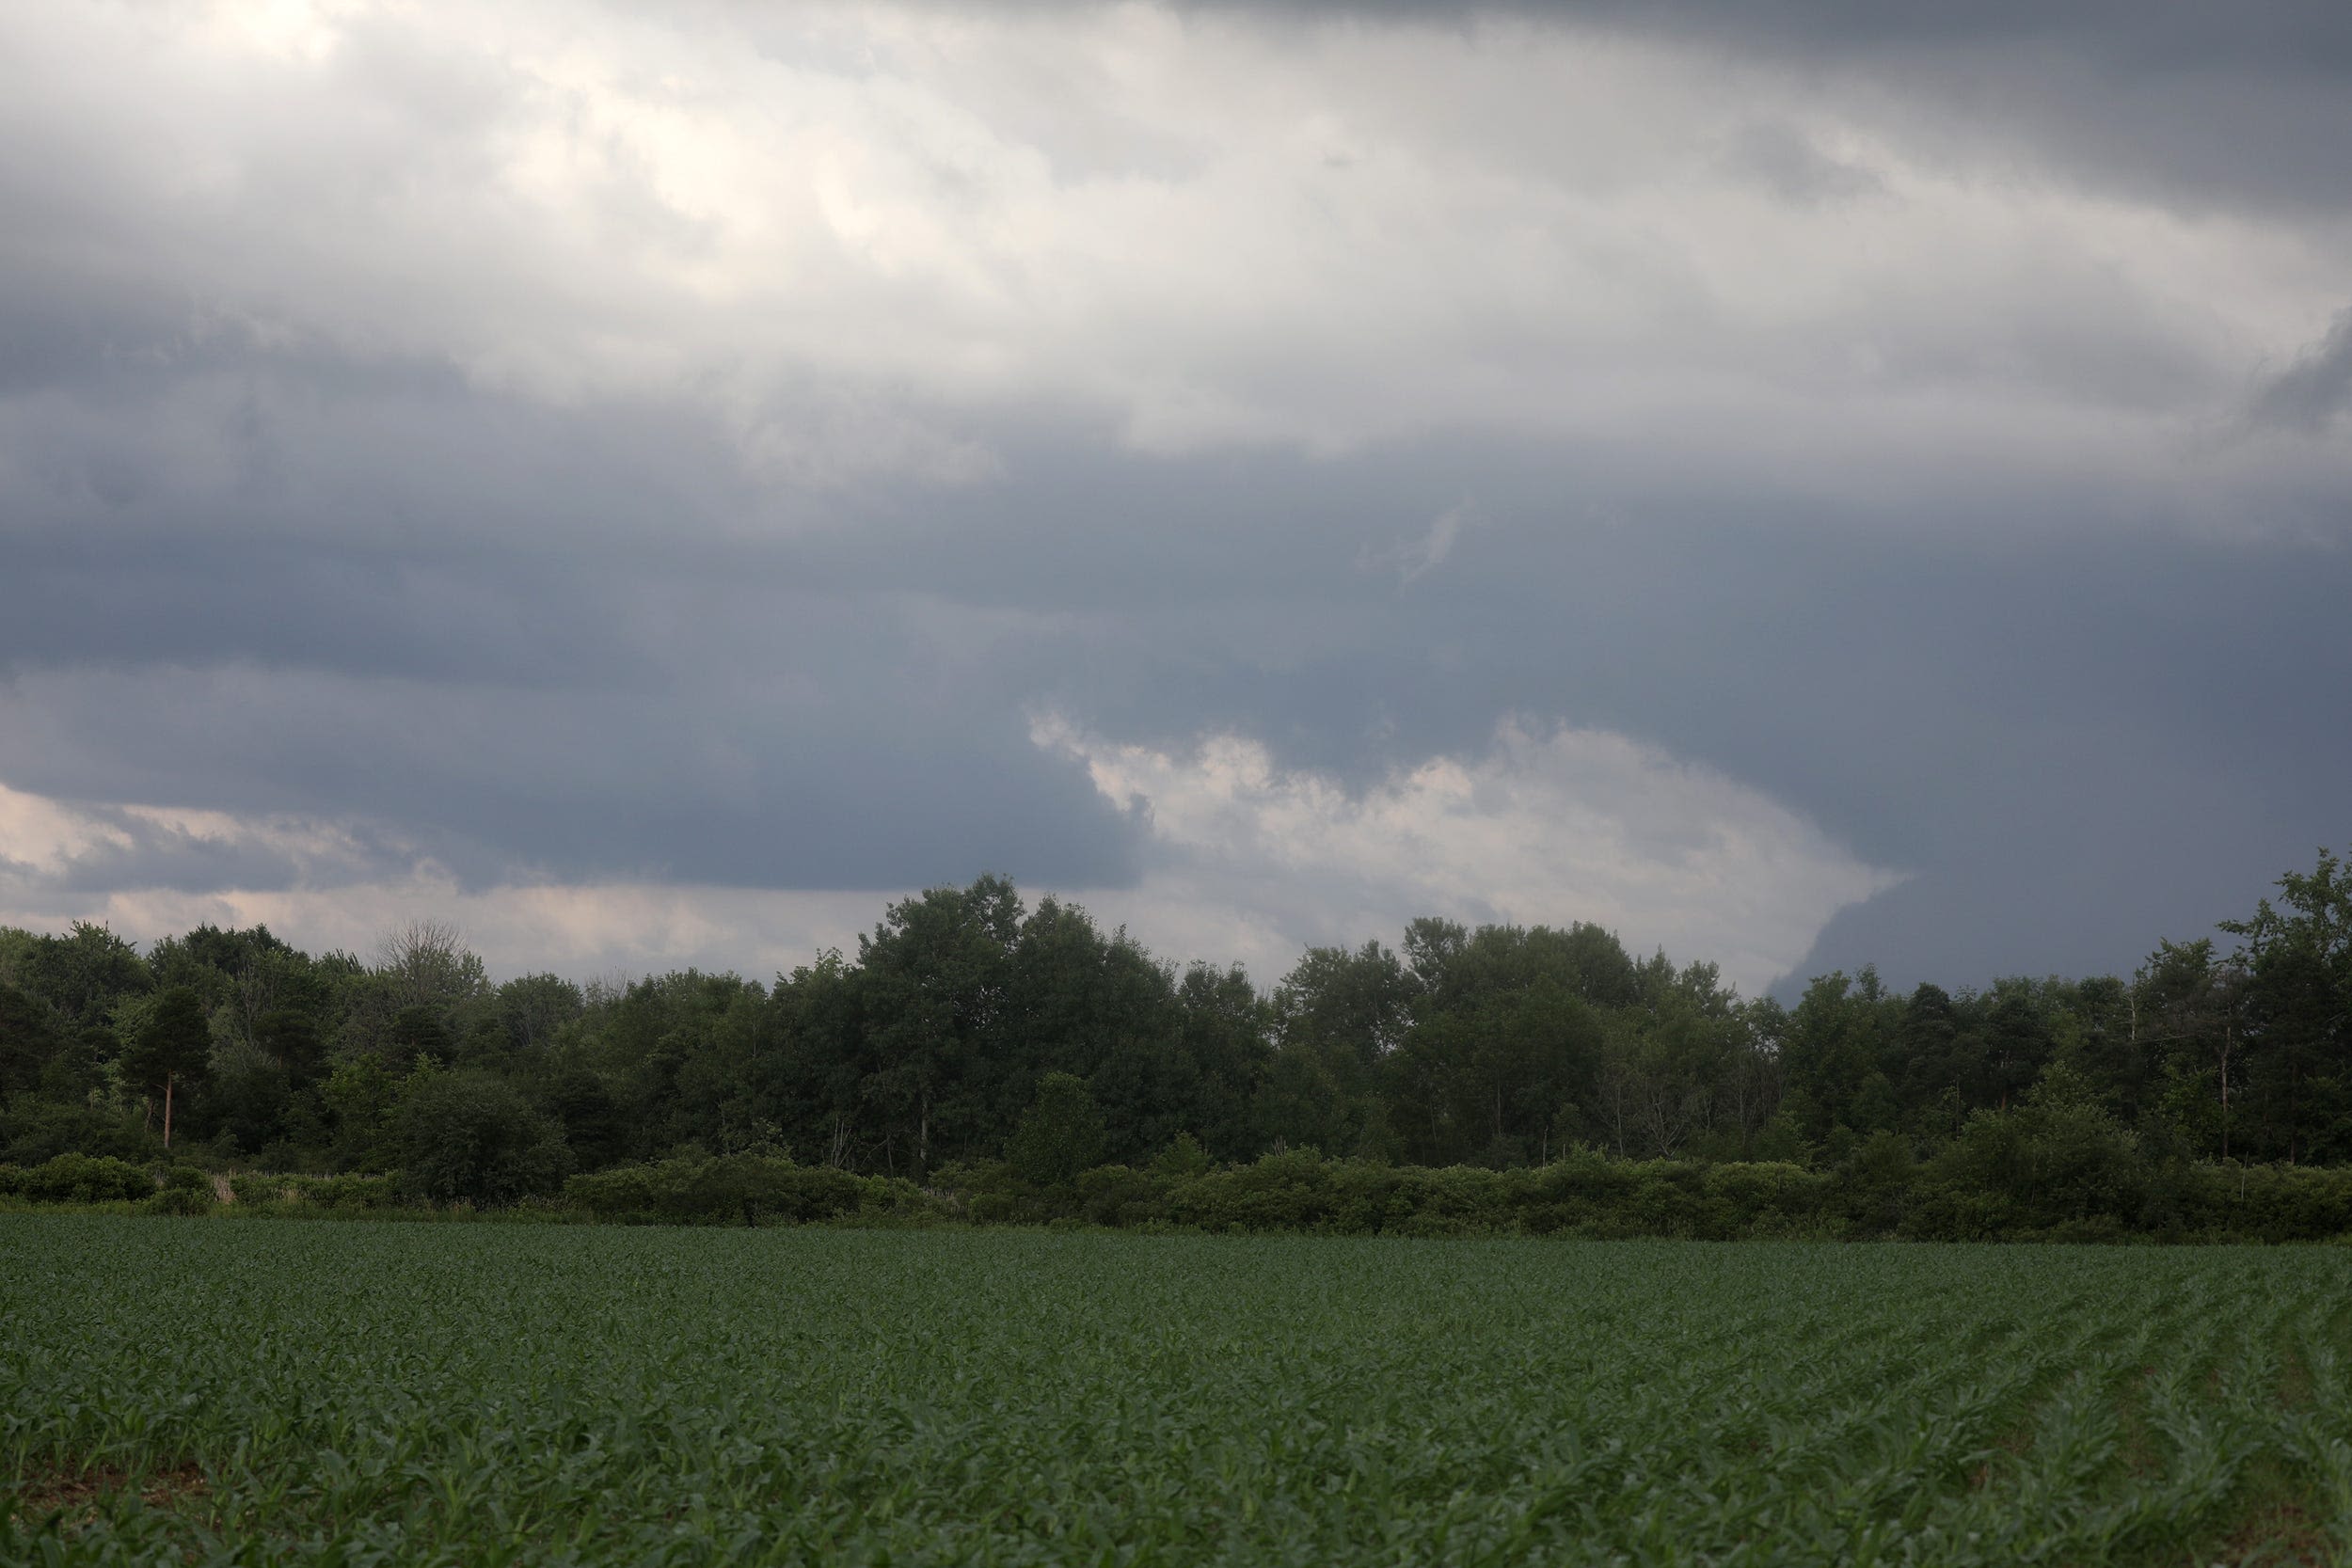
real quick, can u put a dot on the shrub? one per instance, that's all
(180, 1200)
(248, 1189)
(1120, 1196)
(746, 1189)
(1060, 1133)
(87, 1179)
(469, 1136)
(349, 1192)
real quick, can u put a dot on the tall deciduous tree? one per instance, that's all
(171, 1049)
(2296, 956)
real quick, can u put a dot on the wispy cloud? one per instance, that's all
(2311, 394)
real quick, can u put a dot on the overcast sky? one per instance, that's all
(1797, 483)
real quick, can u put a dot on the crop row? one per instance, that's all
(394, 1393)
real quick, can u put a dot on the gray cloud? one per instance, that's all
(1785, 162)
(2309, 395)
(538, 516)
(2210, 105)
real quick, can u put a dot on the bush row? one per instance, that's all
(324, 1192)
(1880, 1192)
(101, 1178)
(742, 1189)
(78, 1178)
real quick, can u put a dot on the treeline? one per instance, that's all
(973, 1033)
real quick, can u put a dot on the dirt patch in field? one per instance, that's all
(77, 1495)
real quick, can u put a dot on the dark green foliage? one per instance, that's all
(76, 1073)
(742, 1189)
(2295, 998)
(78, 1178)
(348, 1193)
(1183, 1156)
(249, 1097)
(468, 1137)
(291, 1038)
(38, 1130)
(534, 1010)
(591, 1119)
(418, 1034)
(174, 1044)
(2028, 1107)
(1060, 1133)
(181, 1200)
(28, 1039)
(81, 975)
(185, 1179)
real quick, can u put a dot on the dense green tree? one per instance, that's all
(534, 1009)
(591, 1119)
(418, 1034)
(933, 980)
(470, 1137)
(83, 1070)
(358, 1097)
(937, 1043)
(28, 1039)
(247, 1099)
(82, 974)
(1833, 1045)
(2296, 959)
(1060, 1133)
(289, 1037)
(172, 1051)
(2190, 1009)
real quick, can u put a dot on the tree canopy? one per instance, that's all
(972, 1024)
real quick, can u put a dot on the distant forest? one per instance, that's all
(1500, 1046)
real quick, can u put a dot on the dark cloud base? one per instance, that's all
(2077, 738)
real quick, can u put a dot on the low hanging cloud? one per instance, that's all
(150, 872)
(1247, 861)
(1252, 861)
(78, 849)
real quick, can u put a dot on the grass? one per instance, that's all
(205, 1392)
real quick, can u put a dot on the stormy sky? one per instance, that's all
(1802, 483)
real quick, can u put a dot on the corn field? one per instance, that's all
(224, 1391)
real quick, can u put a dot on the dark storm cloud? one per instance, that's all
(519, 641)
(260, 567)
(2076, 740)
(2079, 737)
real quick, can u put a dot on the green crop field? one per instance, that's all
(264, 1391)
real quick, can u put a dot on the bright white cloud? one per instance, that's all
(1551, 826)
(862, 236)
